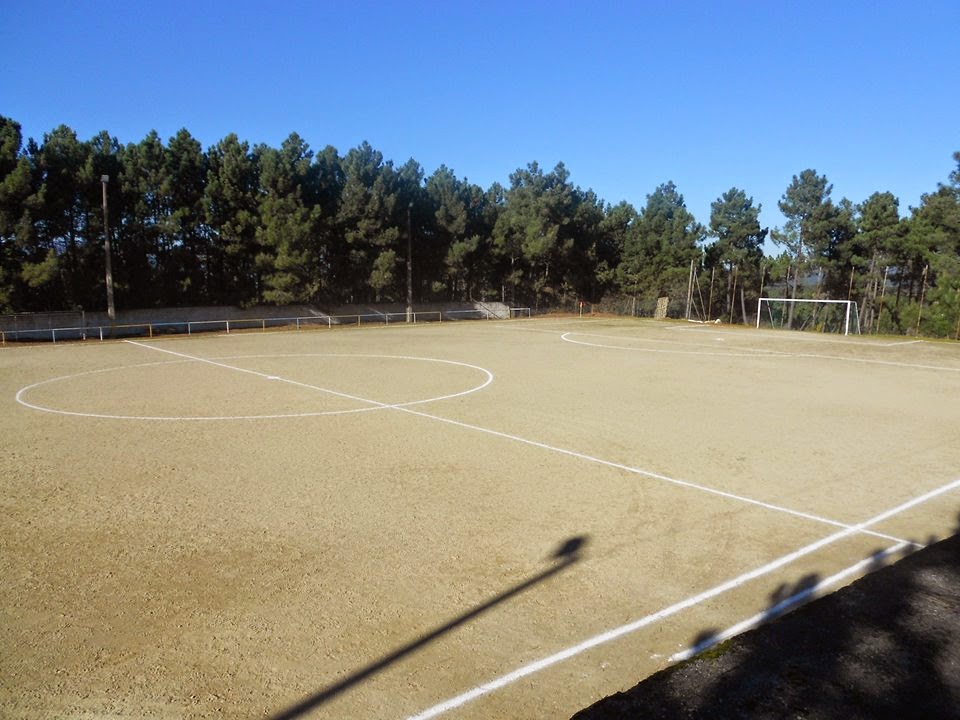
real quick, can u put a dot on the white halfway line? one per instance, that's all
(666, 612)
(543, 446)
(374, 404)
(265, 376)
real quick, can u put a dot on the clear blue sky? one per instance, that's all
(627, 94)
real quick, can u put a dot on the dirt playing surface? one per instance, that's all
(470, 520)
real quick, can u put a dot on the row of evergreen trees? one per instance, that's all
(244, 225)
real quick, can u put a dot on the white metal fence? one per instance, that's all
(189, 327)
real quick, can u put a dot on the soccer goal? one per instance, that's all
(828, 316)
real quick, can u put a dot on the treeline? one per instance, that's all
(242, 225)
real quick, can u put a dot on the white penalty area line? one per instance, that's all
(609, 635)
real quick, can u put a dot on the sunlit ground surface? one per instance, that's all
(473, 520)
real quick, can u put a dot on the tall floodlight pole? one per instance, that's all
(409, 263)
(111, 310)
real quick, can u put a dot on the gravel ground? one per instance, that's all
(887, 646)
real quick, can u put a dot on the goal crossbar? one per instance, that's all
(851, 309)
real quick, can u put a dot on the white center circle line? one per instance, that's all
(371, 405)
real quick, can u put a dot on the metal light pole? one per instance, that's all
(111, 310)
(409, 264)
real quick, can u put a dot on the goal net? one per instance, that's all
(828, 316)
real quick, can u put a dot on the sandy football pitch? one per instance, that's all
(467, 520)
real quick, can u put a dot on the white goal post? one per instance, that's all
(841, 316)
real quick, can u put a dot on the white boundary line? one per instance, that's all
(666, 612)
(784, 605)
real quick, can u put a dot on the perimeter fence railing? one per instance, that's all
(302, 322)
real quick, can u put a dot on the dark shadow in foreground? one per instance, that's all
(563, 557)
(886, 646)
